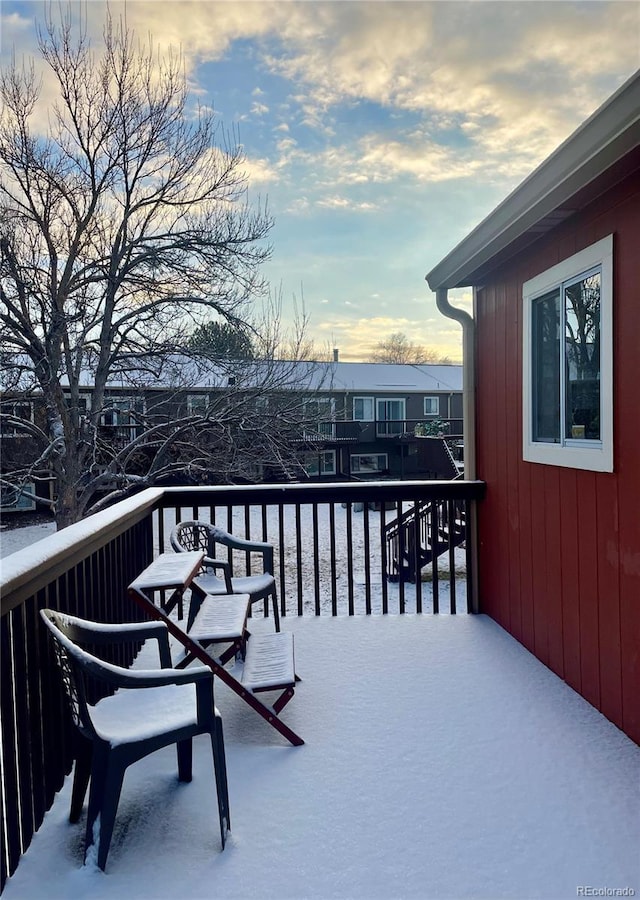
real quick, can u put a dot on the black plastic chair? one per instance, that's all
(132, 723)
(195, 535)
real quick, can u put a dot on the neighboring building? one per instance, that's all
(342, 420)
(374, 419)
(556, 277)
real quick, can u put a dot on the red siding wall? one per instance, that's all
(560, 548)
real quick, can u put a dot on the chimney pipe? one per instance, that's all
(336, 353)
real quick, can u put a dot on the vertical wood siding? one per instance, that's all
(560, 548)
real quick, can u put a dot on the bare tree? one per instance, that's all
(397, 348)
(123, 228)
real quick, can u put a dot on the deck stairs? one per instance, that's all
(422, 534)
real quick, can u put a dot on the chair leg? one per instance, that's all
(276, 611)
(116, 769)
(220, 769)
(81, 775)
(107, 774)
(185, 757)
(96, 794)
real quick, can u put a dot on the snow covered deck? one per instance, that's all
(442, 760)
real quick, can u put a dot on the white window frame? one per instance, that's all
(401, 423)
(379, 456)
(428, 399)
(595, 456)
(365, 417)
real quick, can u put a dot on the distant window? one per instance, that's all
(567, 359)
(123, 417)
(363, 409)
(197, 404)
(323, 463)
(390, 417)
(319, 414)
(14, 412)
(369, 462)
(432, 406)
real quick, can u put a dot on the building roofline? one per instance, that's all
(605, 138)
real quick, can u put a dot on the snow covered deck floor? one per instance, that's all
(441, 761)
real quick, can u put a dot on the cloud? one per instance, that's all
(260, 171)
(492, 66)
(259, 109)
(357, 338)
(478, 76)
(345, 203)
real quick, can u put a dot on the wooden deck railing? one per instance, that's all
(331, 560)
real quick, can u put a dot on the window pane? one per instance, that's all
(363, 409)
(582, 358)
(390, 417)
(376, 462)
(431, 406)
(545, 323)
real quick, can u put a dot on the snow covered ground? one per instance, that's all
(14, 539)
(441, 760)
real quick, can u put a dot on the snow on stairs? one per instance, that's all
(450, 530)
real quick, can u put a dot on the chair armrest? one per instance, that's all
(119, 677)
(238, 543)
(210, 563)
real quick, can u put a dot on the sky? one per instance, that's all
(380, 133)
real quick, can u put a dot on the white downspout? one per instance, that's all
(468, 377)
(469, 420)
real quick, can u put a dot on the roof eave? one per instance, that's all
(606, 137)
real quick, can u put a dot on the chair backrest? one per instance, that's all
(193, 536)
(74, 664)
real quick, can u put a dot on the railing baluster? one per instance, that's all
(384, 560)
(349, 551)
(435, 538)
(402, 531)
(300, 597)
(283, 595)
(12, 845)
(452, 532)
(417, 531)
(332, 543)
(367, 560)
(316, 561)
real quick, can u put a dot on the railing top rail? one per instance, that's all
(352, 492)
(25, 572)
